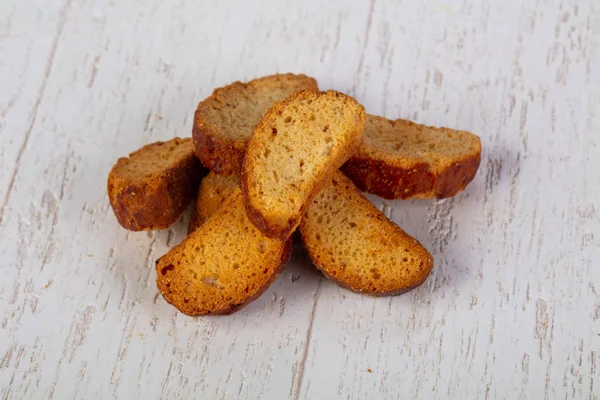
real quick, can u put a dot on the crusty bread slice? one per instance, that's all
(295, 148)
(214, 190)
(150, 188)
(400, 160)
(356, 246)
(223, 265)
(223, 122)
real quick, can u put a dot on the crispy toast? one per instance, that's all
(150, 188)
(294, 149)
(356, 246)
(400, 160)
(214, 190)
(223, 265)
(224, 121)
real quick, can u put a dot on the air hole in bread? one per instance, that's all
(274, 131)
(328, 139)
(211, 281)
(267, 152)
(352, 225)
(287, 119)
(235, 266)
(326, 128)
(343, 264)
(262, 246)
(375, 273)
(167, 268)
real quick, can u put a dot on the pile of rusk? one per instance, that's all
(285, 156)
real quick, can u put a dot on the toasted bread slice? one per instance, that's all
(295, 148)
(400, 160)
(223, 265)
(150, 188)
(223, 122)
(214, 190)
(356, 246)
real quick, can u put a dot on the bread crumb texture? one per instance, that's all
(223, 265)
(356, 246)
(213, 192)
(224, 121)
(295, 148)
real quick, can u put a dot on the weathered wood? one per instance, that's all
(512, 309)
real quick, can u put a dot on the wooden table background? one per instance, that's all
(512, 308)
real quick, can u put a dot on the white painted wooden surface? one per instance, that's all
(512, 309)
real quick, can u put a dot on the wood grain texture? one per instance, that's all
(512, 309)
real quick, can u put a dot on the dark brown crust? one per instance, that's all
(219, 154)
(389, 182)
(456, 177)
(392, 182)
(285, 257)
(155, 202)
(254, 214)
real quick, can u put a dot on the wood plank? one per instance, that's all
(511, 309)
(29, 36)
